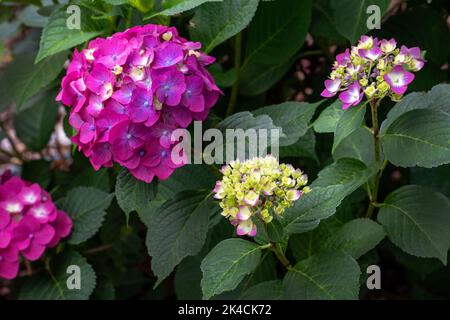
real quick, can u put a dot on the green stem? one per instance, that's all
(374, 108)
(276, 248)
(103, 248)
(309, 53)
(52, 276)
(377, 205)
(373, 201)
(373, 195)
(237, 67)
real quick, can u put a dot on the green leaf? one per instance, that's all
(292, 117)
(418, 138)
(353, 28)
(258, 78)
(86, 206)
(438, 98)
(356, 237)
(350, 121)
(411, 142)
(430, 32)
(181, 180)
(277, 32)
(42, 286)
(57, 37)
(23, 79)
(178, 230)
(304, 245)
(357, 145)
(346, 172)
(329, 118)
(216, 22)
(89, 177)
(187, 279)
(437, 178)
(322, 22)
(37, 171)
(223, 79)
(334, 183)
(267, 290)
(246, 120)
(34, 125)
(133, 194)
(420, 266)
(116, 2)
(173, 7)
(305, 147)
(143, 6)
(188, 273)
(314, 206)
(325, 276)
(227, 264)
(146, 215)
(417, 220)
(265, 271)
(272, 232)
(241, 143)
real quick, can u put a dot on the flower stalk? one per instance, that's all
(375, 127)
(237, 67)
(276, 248)
(373, 194)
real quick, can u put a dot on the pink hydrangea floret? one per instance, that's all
(130, 91)
(29, 223)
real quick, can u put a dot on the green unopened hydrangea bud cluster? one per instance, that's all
(258, 188)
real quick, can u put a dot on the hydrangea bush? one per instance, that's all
(93, 176)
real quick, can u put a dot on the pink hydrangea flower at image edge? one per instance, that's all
(29, 223)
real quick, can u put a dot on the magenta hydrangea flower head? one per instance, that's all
(29, 223)
(374, 68)
(259, 188)
(128, 92)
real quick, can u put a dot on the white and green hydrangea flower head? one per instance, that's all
(259, 188)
